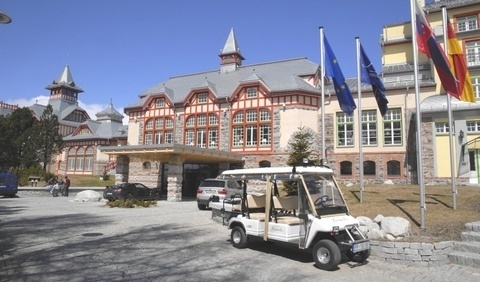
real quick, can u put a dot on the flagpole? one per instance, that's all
(450, 118)
(322, 75)
(418, 117)
(360, 139)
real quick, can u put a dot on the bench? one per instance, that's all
(285, 210)
(256, 207)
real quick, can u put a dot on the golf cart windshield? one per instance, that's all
(326, 197)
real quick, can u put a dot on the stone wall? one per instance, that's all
(411, 253)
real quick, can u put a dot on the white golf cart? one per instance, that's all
(314, 215)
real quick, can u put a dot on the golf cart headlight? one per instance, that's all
(335, 230)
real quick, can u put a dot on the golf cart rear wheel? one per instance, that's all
(326, 254)
(238, 237)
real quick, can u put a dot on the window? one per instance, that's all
(238, 118)
(392, 127)
(476, 86)
(190, 122)
(213, 137)
(163, 128)
(213, 120)
(441, 127)
(344, 130)
(467, 23)
(346, 168)
(80, 160)
(369, 127)
(393, 168)
(473, 126)
(202, 98)
(473, 53)
(264, 163)
(158, 123)
(146, 165)
(168, 123)
(253, 132)
(201, 134)
(202, 120)
(148, 138)
(189, 137)
(251, 92)
(368, 168)
(149, 124)
(160, 103)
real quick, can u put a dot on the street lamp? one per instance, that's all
(4, 18)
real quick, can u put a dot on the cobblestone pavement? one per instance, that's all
(54, 239)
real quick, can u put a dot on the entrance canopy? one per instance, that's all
(164, 152)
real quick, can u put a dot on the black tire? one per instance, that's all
(326, 254)
(129, 196)
(359, 257)
(157, 196)
(201, 207)
(239, 238)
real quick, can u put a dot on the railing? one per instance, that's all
(4, 105)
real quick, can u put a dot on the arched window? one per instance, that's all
(80, 160)
(252, 128)
(393, 168)
(264, 164)
(369, 168)
(202, 131)
(346, 168)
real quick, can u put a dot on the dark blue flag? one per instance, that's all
(369, 75)
(333, 70)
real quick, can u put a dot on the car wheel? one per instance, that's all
(201, 207)
(238, 237)
(326, 254)
(157, 196)
(361, 256)
(129, 196)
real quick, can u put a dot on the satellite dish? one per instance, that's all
(4, 18)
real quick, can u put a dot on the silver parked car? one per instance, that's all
(216, 187)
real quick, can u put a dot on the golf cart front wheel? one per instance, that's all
(326, 254)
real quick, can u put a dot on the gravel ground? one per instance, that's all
(43, 238)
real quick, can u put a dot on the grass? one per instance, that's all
(441, 221)
(85, 181)
(89, 181)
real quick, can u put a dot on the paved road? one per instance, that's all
(52, 239)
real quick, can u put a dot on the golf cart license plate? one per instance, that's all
(360, 247)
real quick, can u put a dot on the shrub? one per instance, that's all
(131, 203)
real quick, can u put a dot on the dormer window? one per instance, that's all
(251, 92)
(202, 98)
(160, 103)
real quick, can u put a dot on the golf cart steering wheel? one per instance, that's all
(322, 201)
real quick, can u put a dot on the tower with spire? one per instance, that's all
(231, 58)
(64, 88)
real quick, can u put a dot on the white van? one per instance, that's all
(298, 205)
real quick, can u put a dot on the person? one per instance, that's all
(66, 186)
(51, 184)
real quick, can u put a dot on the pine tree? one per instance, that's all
(49, 138)
(301, 147)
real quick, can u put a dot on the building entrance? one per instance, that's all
(194, 174)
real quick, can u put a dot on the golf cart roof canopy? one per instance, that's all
(275, 172)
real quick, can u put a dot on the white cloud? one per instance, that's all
(92, 109)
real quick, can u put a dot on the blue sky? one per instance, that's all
(118, 48)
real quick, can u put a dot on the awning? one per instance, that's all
(164, 152)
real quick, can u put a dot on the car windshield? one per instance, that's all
(325, 194)
(212, 183)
